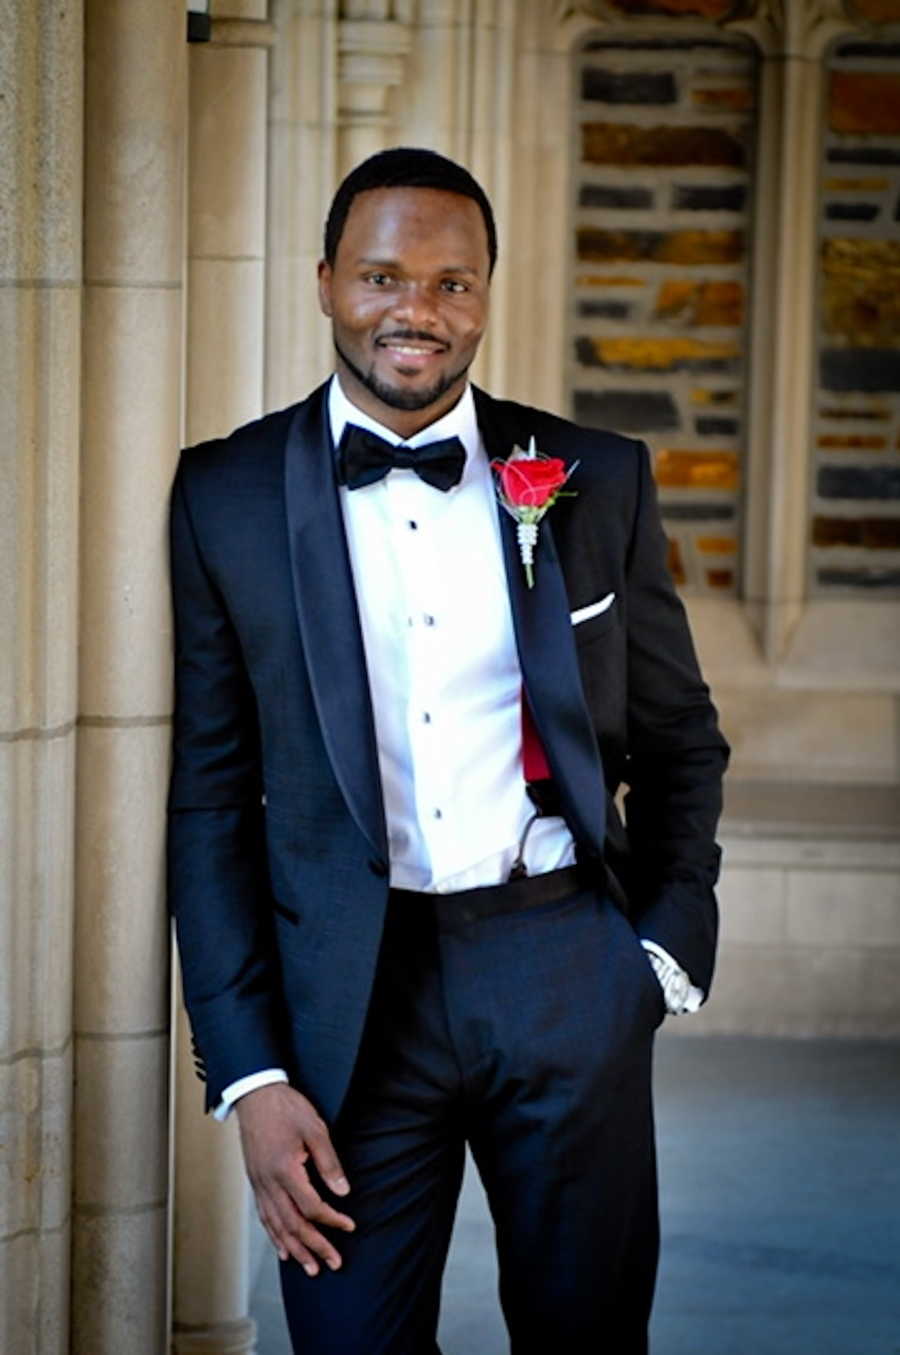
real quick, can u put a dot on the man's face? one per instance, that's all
(408, 301)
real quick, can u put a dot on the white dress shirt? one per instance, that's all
(443, 668)
(443, 674)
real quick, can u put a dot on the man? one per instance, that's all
(409, 915)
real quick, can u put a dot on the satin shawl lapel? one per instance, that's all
(547, 656)
(329, 621)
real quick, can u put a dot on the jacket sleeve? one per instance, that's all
(676, 756)
(217, 879)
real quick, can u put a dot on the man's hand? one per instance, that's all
(280, 1132)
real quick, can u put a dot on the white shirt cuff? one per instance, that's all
(235, 1090)
(667, 967)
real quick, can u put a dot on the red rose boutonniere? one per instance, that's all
(528, 483)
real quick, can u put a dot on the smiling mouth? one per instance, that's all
(413, 349)
(412, 346)
(410, 359)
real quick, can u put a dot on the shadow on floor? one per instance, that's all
(780, 1203)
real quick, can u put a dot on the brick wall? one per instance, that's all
(664, 135)
(855, 505)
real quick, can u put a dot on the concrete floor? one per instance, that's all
(780, 1202)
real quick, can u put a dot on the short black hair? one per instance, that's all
(406, 167)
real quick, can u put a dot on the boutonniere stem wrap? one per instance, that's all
(528, 484)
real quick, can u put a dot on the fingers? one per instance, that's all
(293, 1234)
(310, 1204)
(290, 1207)
(320, 1212)
(326, 1159)
(280, 1132)
(279, 1220)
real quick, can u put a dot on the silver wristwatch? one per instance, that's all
(673, 980)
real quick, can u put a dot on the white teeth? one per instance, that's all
(418, 350)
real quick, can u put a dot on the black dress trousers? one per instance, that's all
(529, 1035)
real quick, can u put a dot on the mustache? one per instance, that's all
(416, 335)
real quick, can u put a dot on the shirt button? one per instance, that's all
(413, 525)
(426, 718)
(429, 620)
(438, 814)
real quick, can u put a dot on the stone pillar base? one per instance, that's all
(219, 1338)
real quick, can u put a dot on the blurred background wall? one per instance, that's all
(698, 204)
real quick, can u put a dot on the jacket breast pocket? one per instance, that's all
(593, 627)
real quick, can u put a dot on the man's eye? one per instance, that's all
(454, 285)
(378, 279)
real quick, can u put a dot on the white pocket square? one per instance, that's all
(595, 608)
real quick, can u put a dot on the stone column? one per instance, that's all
(433, 105)
(454, 74)
(538, 229)
(490, 158)
(40, 332)
(225, 345)
(792, 41)
(373, 44)
(477, 87)
(227, 224)
(133, 258)
(334, 68)
(302, 159)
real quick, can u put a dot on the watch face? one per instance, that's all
(677, 990)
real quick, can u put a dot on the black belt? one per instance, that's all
(468, 905)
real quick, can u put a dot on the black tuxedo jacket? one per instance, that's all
(277, 849)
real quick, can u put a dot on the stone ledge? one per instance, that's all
(822, 813)
(237, 1337)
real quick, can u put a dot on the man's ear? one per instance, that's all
(325, 287)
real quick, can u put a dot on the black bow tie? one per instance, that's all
(364, 457)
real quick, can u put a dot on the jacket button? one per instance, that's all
(378, 868)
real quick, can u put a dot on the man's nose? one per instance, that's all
(417, 307)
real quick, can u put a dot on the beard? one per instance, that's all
(393, 396)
